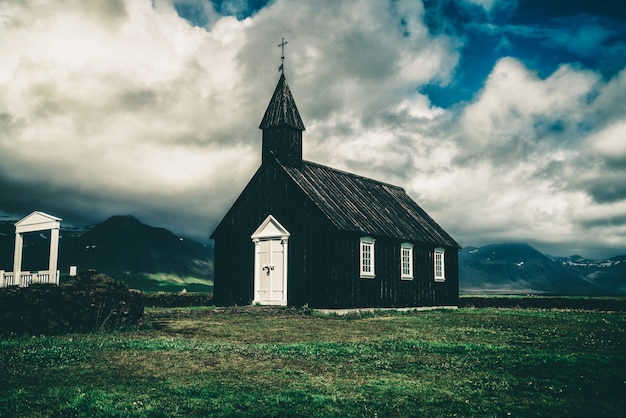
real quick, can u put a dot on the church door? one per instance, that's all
(270, 263)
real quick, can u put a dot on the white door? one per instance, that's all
(271, 286)
(270, 263)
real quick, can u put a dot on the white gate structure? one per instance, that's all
(36, 221)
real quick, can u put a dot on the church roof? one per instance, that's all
(365, 206)
(282, 109)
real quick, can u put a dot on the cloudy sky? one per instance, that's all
(504, 119)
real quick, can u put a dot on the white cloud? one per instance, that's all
(527, 164)
(134, 107)
(420, 107)
(124, 107)
(610, 142)
(516, 107)
(127, 106)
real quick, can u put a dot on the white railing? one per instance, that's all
(28, 277)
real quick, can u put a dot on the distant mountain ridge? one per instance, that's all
(145, 257)
(151, 258)
(518, 268)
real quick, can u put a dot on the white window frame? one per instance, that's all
(406, 248)
(439, 256)
(366, 246)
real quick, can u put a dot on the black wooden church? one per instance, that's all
(303, 233)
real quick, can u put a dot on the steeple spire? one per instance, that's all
(282, 126)
(282, 108)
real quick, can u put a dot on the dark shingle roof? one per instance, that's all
(282, 109)
(361, 205)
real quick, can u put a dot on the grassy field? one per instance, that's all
(286, 362)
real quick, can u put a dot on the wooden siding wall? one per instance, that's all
(269, 192)
(387, 289)
(284, 143)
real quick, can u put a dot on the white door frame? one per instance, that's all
(270, 230)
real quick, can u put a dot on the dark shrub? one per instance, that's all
(88, 302)
(168, 300)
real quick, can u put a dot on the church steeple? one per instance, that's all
(282, 127)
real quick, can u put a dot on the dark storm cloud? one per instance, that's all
(610, 188)
(606, 222)
(529, 11)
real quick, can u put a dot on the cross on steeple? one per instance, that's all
(282, 55)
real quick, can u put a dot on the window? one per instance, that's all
(367, 257)
(406, 261)
(440, 265)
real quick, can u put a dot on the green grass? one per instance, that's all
(165, 279)
(286, 362)
(164, 282)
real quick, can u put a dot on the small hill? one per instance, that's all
(145, 257)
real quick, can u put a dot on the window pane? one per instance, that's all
(406, 261)
(367, 258)
(439, 265)
(406, 266)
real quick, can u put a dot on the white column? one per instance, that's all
(283, 242)
(54, 255)
(17, 260)
(257, 268)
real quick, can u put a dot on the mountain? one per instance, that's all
(610, 273)
(518, 268)
(149, 258)
(145, 257)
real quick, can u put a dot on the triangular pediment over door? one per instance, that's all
(271, 242)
